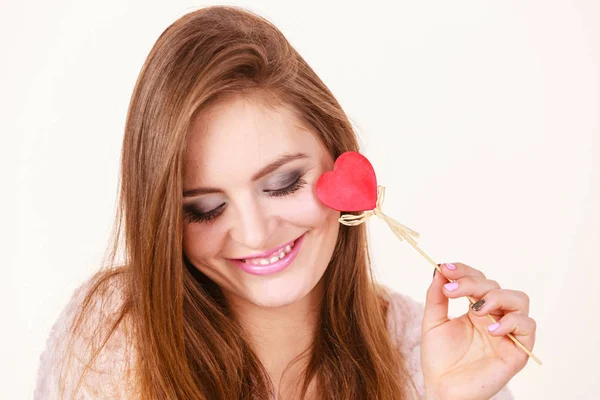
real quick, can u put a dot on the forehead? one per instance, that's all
(234, 138)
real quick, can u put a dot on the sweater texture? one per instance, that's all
(109, 379)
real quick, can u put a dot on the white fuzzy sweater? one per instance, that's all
(109, 379)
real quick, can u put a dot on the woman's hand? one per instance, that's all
(460, 358)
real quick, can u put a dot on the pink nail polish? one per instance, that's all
(493, 327)
(451, 286)
(451, 267)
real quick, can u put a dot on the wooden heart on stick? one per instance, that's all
(352, 186)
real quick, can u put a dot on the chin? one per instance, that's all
(292, 284)
(278, 296)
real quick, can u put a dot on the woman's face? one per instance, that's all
(249, 192)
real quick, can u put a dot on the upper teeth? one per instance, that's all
(276, 256)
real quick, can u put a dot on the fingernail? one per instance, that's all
(477, 306)
(493, 327)
(451, 267)
(451, 286)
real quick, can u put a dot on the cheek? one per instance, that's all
(201, 241)
(306, 210)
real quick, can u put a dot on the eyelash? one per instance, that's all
(192, 215)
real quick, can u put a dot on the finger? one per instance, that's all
(456, 270)
(436, 304)
(502, 299)
(522, 328)
(473, 286)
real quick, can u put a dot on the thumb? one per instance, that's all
(436, 303)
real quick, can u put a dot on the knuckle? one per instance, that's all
(466, 281)
(533, 324)
(492, 296)
(494, 283)
(510, 318)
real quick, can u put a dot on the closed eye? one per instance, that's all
(192, 214)
(291, 188)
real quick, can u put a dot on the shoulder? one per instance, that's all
(100, 328)
(404, 318)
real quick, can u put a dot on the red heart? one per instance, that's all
(351, 186)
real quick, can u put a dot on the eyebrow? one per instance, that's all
(272, 166)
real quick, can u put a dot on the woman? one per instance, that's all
(237, 282)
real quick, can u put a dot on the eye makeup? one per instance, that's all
(291, 188)
(192, 214)
(291, 183)
(285, 183)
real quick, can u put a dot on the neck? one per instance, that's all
(280, 334)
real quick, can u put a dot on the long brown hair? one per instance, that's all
(189, 345)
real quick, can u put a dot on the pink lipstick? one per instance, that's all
(257, 265)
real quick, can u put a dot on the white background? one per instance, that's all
(480, 117)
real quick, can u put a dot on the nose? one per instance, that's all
(251, 226)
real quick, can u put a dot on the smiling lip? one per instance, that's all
(268, 253)
(276, 266)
